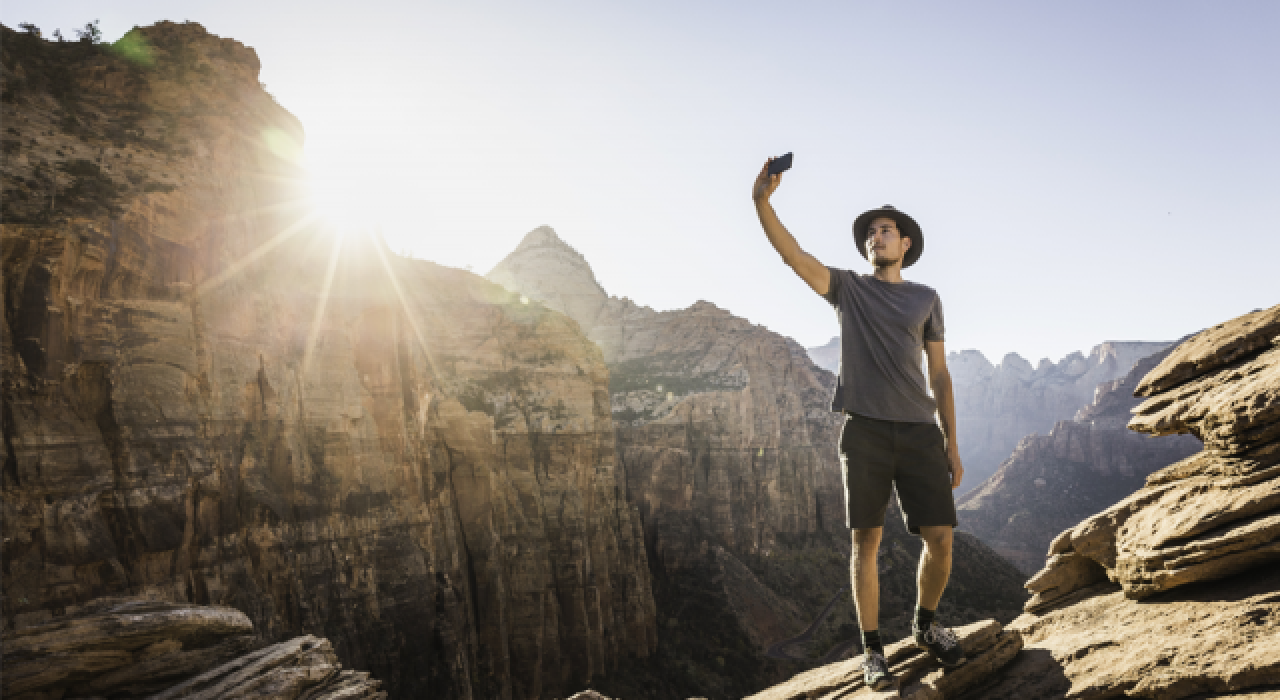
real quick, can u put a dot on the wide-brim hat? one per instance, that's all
(907, 226)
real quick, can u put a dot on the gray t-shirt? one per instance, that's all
(883, 329)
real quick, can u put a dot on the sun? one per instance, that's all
(341, 194)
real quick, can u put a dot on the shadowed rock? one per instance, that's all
(141, 648)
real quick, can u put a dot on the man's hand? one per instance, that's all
(957, 469)
(765, 183)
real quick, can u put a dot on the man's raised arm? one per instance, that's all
(814, 273)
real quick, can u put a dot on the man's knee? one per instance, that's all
(937, 539)
(866, 542)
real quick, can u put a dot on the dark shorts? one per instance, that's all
(880, 454)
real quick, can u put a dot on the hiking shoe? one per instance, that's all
(941, 643)
(875, 671)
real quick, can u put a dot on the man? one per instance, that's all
(889, 437)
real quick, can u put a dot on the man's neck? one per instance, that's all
(890, 273)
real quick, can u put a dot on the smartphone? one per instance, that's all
(780, 164)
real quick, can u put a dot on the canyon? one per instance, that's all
(213, 399)
(245, 453)
(1082, 466)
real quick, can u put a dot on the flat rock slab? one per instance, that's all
(1204, 639)
(919, 677)
(1213, 348)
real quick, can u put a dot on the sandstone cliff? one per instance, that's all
(1170, 593)
(729, 449)
(209, 399)
(123, 648)
(1082, 466)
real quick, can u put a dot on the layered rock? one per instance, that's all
(729, 446)
(1211, 639)
(986, 644)
(1171, 593)
(997, 406)
(123, 648)
(1212, 514)
(210, 399)
(1081, 467)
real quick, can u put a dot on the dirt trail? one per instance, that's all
(779, 649)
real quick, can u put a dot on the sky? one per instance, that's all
(1082, 171)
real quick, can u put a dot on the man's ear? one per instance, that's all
(909, 242)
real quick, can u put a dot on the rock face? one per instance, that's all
(997, 406)
(1081, 467)
(729, 449)
(209, 399)
(1172, 592)
(1196, 544)
(123, 648)
(1207, 516)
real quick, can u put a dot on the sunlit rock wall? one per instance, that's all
(210, 399)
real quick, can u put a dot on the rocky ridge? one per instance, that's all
(209, 398)
(725, 432)
(997, 406)
(1171, 592)
(123, 648)
(1082, 466)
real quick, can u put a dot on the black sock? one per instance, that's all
(924, 618)
(871, 642)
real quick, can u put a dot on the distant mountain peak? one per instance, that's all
(547, 269)
(544, 237)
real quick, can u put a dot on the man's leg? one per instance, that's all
(935, 565)
(866, 577)
(935, 569)
(866, 598)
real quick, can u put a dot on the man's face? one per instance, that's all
(885, 245)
